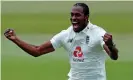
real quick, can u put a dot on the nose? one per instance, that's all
(73, 17)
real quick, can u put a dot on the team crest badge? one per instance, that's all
(87, 39)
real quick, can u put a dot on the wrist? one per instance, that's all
(111, 47)
(15, 39)
(110, 44)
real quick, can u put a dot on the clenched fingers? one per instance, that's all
(107, 37)
(8, 32)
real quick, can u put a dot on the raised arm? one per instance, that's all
(110, 47)
(30, 49)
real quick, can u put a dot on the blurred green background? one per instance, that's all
(37, 21)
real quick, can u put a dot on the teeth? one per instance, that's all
(75, 22)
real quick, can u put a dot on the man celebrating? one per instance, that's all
(85, 42)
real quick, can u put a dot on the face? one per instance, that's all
(78, 19)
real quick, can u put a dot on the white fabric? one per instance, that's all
(86, 54)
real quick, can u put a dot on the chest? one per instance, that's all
(81, 43)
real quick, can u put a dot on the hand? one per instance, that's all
(10, 34)
(108, 40)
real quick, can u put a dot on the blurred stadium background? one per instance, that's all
(37, 21)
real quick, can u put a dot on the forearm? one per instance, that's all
(113, 52)
(30, 49)
(109, 46)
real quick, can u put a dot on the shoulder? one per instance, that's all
(98, 30)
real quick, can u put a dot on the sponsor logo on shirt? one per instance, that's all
(78, 55)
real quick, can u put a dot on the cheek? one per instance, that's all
(82, 21)
(85, 18)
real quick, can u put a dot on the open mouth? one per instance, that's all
(75, 24)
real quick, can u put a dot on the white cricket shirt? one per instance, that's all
(86, 53)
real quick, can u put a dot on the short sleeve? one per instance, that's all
(57, 39)
(101, 34)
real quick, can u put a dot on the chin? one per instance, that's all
(76, 30)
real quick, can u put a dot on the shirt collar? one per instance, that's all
(85, 30)
(88, 27)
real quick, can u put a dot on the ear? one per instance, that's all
(86, 17)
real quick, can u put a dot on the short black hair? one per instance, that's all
(85, 8)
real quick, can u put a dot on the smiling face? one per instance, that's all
(78, 19)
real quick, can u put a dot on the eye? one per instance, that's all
(77, 14)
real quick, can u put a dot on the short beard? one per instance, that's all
(81, 28)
